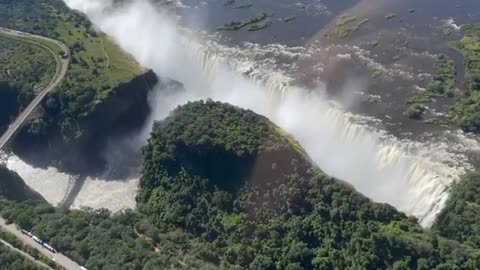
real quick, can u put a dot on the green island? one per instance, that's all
(259, 26)
(390, 16)
(229, 2)
(290, 18)
(346, 19)
(447, 30)
(224, 188)
(345, 25)
(466, 112)
(441, 85)
(247, 5)
(237, 25)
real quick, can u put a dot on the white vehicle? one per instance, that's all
(26, 232)
(36, 239)
(83, 268)
(50, 248)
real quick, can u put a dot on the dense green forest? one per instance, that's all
(25, 67)
(224, 188)
(12, 260)
(441, 85)
(466, 113)
(228, 177)
(100, 240)
(460, 219)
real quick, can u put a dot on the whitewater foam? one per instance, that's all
(412, 176)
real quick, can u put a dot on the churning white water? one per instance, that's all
(50, 183)
(413, 177)
(95, 193)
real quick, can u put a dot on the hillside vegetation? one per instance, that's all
(12, 260)
(466, 113)
(442, 84)
(224, 188)
(24, 67)
(103, 94)
(460, 219)
(97, 65)
(230, 179)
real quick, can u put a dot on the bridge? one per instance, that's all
(60, 72)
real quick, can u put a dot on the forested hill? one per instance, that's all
(12, 187)
(234, 181)
(460, 219)
(224, 188)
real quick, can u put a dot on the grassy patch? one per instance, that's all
(25, 64)
(441, 85)
(414, 111)
(466, 112)
(237, 25)
(244, 6)
(359, 24)
(345, 26)
(346, 19)
(290, 18)
(390, 16)
(374, 42)
(259, 26)
(377, 73)
(447, 30)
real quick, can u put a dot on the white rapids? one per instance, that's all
(412, 176)
(95, 193)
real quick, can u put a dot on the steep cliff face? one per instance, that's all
(8, 104)
(12, 187)
(125, 109)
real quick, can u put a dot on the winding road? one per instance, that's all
(61, 71)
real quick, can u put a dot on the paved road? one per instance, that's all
(62, 66)
(24, 254)
(59, 258)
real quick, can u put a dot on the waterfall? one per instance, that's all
(412, 176)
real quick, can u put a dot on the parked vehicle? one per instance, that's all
(36, 239)
(27, 233)
(50, 248)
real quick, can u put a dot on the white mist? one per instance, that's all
(377, 165)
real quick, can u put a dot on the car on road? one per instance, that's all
(50, 248)
(29, 234)
(36, 239)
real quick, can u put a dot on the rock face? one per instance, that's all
(8, 104)
(124, 110)
(12, 187)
